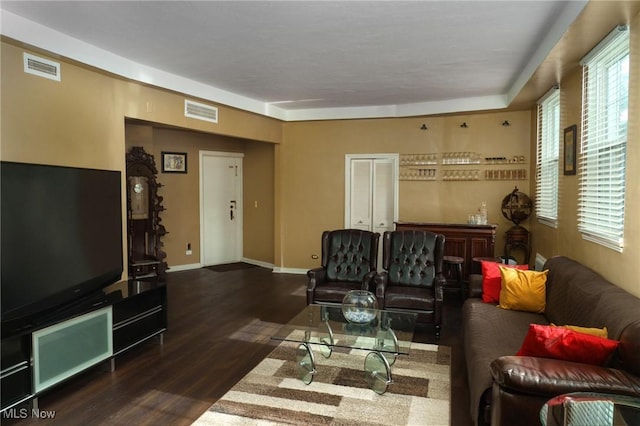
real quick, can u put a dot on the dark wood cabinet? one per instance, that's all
(144, 228)
(463, 240)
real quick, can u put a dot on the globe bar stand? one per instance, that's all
(516, 207)
(517, 238)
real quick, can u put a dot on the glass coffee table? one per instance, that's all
(324, 328)
(591, 408)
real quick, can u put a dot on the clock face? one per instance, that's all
(137, 188)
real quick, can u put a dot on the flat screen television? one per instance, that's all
(61, 236)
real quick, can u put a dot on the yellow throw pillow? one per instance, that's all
(523, 290)
(599, 332)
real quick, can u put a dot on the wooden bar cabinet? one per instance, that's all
(461, 239)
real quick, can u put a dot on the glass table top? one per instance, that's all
(591, 408)
(389, 331)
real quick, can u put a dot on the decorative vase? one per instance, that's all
(359, 306)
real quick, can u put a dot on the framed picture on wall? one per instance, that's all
(174, 162)
(570, 137)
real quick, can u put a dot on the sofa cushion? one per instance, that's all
(562, 343)
(489, 333)
(572, 286)
(523, 290)
(491, 280)
(334, 291)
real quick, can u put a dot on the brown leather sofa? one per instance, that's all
(506, 389)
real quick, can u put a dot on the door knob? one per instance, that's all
(231, 208)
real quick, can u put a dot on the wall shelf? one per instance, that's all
(418, 173)
(505, 174)
(467, 174)
(469, 166)
(418, 159)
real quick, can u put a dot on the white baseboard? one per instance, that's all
(257, 263)
(275, 269)
(178, 268)
(279, 270)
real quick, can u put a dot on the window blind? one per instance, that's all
(604, 139)
(547, 158)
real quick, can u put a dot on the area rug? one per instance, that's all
(271, 394)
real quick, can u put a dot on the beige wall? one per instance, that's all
(313, 169)
(181, 191)
(80, 122)
(259, 201)
(620, 268)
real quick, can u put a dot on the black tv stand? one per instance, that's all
(138, 310)
(85, 304)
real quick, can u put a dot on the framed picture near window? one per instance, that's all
(174, 162)
(570, 136)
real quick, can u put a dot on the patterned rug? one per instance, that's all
(271, 394)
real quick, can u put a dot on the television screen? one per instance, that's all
(61, 232)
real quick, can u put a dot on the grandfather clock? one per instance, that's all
(144, 231)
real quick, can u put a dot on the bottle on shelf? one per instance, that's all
(483, 213)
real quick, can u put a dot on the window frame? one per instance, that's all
(602, 161)
(548, 158)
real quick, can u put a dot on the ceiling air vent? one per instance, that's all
(41, 67)
(200, 111)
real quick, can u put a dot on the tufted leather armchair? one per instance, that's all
(349, 261)
(412, 279)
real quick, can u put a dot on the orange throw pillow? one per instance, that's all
(600, 332)
(491, 280)
(523, 290)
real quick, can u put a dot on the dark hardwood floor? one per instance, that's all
(219, 328)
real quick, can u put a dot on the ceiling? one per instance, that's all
(309, 59)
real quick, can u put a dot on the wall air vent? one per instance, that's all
(41, 67)
(200, 111)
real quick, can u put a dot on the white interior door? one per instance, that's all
(371, 191)
(220, 207)
(361, 195)
(383, 195)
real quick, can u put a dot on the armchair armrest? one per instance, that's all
(368, 281)
(315, 276)
(440, 283)
(550, 377)
(381, 281)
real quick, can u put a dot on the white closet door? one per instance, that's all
(371, 193)
(383, 195)
(361, 195)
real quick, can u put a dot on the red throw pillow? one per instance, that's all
(491, 280)
(560, 343)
